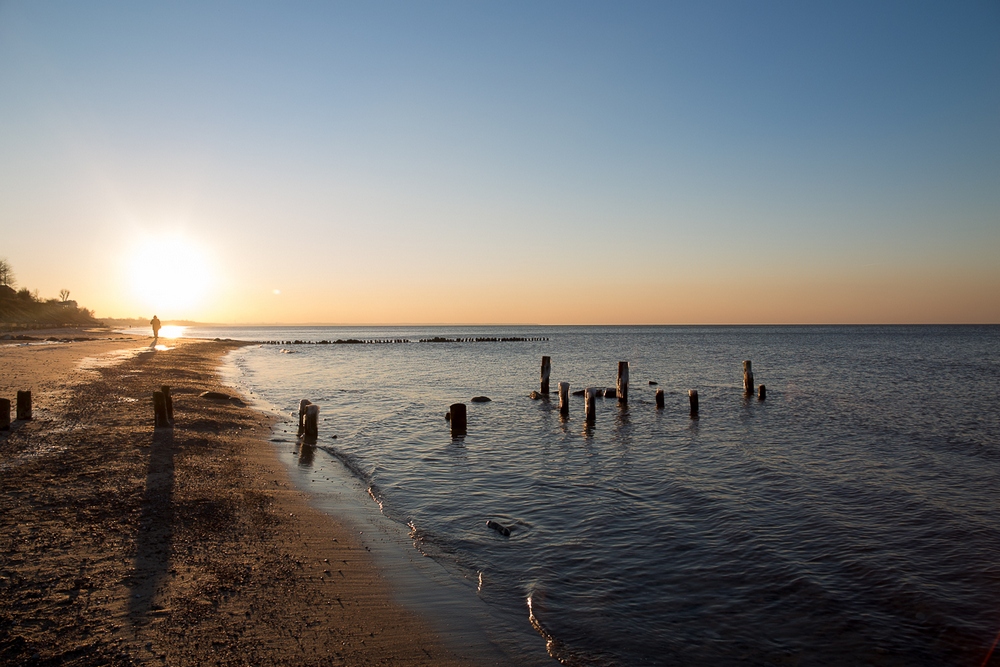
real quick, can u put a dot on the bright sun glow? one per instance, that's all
(171, 331)
(169, 275)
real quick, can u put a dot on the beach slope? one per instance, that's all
(123, 545)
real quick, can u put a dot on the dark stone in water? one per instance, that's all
(214, 395)
(653, 382)
(610, 393)
(480, 399)
(503, 530)
(447, 416)
(579, 392)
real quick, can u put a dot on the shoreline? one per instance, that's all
(124, 545)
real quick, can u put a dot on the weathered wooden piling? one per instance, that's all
(747, 378)
(659, 399)
(693, 397)
(564, 398)
(4, 414)
(761, 393)
(160, 410)
(622, 384)
(169, 402)
(24, 405)
(311, 427)
(546, 371)
(303, 404)
(458, 418)
(590, 403)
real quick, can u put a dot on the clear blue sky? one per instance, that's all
(563, 162)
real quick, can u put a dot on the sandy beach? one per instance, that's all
(122, 545)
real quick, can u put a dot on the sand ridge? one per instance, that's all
(124, 545)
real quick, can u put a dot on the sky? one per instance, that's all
(505, 162)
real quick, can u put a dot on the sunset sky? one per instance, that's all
(505, 162)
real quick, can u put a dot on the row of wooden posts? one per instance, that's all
(458, 415)
(23, 409)
(458, 418)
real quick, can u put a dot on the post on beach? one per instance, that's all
(4, 414)
(546, 371)
(311, 427)
(160, 410)
(747, 378)
(659, 399)
(24, 406)
(761, 393)
(693, 397)
(169, 402)
(564, 398)
(622, 383)
(303, 404)
(590, 404)
(457, 412)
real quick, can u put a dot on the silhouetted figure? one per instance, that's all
(155, 323)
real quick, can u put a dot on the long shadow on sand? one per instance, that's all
(155, 535)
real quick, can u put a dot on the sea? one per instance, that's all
(852, 517)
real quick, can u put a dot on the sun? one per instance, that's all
(169, 275)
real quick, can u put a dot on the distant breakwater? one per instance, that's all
(389, 341)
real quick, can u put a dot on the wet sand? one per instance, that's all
(122, 545)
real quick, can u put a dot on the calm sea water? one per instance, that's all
(851, 518)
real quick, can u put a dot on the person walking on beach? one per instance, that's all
(155, 323)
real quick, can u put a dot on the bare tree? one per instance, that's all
(6, 274)
(64, 295)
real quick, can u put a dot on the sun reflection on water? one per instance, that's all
(172, 331)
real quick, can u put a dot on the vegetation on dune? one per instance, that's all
(25, 308)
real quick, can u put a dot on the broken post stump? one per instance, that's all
(311, 425)
(564, 398)
(160, 410)
(4, 414)
(622, 384)
(303, 404)
(590, 403)
(458, 418)
(24, 405)
(747, 378)
(546, 371)
(761, 393)
(693, 397)
(169, 402)
(659, 399)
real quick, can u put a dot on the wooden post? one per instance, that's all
(546, 370)
(160, 410)
(24, 405)
(4, 414)
(622, 385)
(590, 403)
(761, 393)
(312, 421)
(693, 397)
(458, 419)
(303, 404)
(169, 401)
(659, 399)
(564, 398)
(747, 378)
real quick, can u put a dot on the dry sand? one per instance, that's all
(123, 545)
